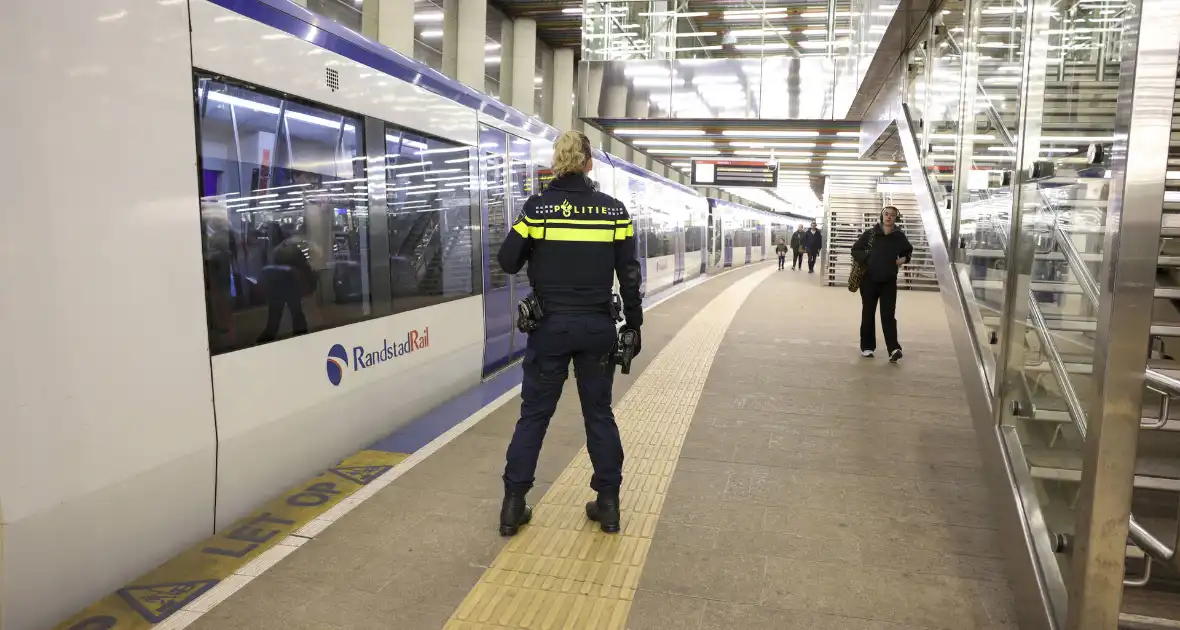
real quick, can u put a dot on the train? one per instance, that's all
(276, 246)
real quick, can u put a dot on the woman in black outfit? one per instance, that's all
(883, 249)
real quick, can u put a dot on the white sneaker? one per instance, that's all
(868, 354)
(895, 356)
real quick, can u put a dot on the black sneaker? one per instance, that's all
(895, 356)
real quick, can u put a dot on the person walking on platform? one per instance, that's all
(797, 248)
(813, 241)
(575, 240)
(781, 250)
(882, 249)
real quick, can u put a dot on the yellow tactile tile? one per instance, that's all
(560, 572)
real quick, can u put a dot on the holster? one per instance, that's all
(616, 307)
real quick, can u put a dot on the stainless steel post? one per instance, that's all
(1143, 120)
(965, 130)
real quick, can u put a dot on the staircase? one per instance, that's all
(1064, 221)
(849, 210)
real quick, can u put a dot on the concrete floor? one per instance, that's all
(817, 489)
(814, 489)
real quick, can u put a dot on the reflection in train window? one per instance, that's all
(428, 191)
(694, 235)
(660, 233)
(284, 216)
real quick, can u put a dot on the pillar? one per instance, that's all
(507, 48)
(546, 112)
(385, 22)
(464, 36)
(561, 91)
(615, 106)
(661, 31)
(589, 81)
(302, 3)
(637, 107)
(450, 34)
(524, 64)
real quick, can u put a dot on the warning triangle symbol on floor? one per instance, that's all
(156, 602)
(361, 474)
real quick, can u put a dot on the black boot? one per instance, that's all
(605, 511)
(514, 512)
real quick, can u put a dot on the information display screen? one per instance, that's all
(734, 173)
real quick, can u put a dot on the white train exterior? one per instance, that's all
(165, 150)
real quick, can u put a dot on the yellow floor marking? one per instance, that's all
(560, 572)
(155, 596)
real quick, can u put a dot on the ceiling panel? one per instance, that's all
(712, 28)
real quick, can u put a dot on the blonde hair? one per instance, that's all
(570, 153)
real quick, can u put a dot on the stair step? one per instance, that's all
(1151, 473)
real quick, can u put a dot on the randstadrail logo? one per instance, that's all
(338, 359)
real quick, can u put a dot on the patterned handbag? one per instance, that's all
(859, 269)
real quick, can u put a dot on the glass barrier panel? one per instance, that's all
(988, 44)
(1072, 89)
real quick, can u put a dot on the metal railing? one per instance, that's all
(1145, 540)
(1157, 382)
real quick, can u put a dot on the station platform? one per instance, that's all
(774, 479)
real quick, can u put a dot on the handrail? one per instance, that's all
(1158, 381)
(993, 114)
(1161, 383)
(1139, 535)
(1153, 546)
(1081, 271)
(1074, 405)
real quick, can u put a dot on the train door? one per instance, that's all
(678, 248)
(749, 234)
(727, 233)
(507, 179)
(497, 288)
(715, 241)
(521, 185)
(635, 198)
(709, 248)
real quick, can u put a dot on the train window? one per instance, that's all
(284, 215)
(693, 233)
(429, 191)
(493, 149)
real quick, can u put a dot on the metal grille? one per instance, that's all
(333, 79)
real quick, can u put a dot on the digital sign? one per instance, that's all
(734, 173)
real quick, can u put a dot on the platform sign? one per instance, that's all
(734, 173)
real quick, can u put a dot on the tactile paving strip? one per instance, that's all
(560, 571)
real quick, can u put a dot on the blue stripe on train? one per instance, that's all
(443, 418)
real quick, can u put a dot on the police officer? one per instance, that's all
(575, 240)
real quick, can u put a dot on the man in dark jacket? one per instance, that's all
(813, 241)
(797, 248)
(883, 249)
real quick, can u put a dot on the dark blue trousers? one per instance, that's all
(586, 339)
